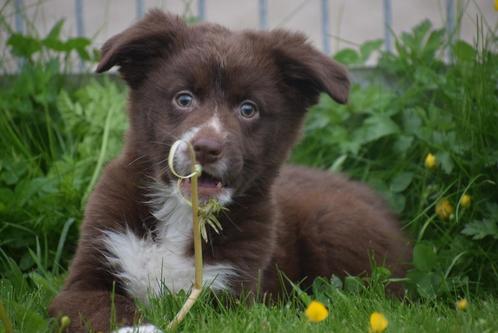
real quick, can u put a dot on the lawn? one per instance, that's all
(420, 129)
(349, 311)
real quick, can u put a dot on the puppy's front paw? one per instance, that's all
(139, 329)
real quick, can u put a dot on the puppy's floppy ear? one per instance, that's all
(307, 69)
(136, 48)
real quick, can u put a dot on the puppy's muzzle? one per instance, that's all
(208, 150)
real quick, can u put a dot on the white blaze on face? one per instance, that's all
(220, 167)
(216, 125)
(182, 160)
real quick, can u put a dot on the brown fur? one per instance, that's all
(308, 223)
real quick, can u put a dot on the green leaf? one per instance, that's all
(367, 48)
(401, 181)
(83, 54)
(412, 121)
(336, 282)
(353, 284)
(303, 296)
(77, 43)
(463, 51)
(480, 229)
(426, 77)
(424, 257)
(13, 170)
(421, 29)
(429, 285)
(52, 40)
(433, 43)
(403, 144)
(55, 32)
(347, 56)
(375, 127)
(24, 46)
(397, 201)
(55, 45)
(318, 120)
(6, 196)
(320, 287)
(26, 262)
(446, 162)
(27, 189)
(32, 321)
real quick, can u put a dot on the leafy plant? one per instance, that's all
(424, 105)
(51, 48)
(55, 138)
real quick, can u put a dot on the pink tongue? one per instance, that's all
(207, 182)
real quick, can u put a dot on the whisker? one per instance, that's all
(136, 159)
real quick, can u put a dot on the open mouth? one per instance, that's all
(208, 186)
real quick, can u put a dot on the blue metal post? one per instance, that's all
(201, 5)
(19, 23)
(388, 23)
(450, 24)
(450, 16)
(263, 14)
(325, 26)
(140, 8)
(80, 25)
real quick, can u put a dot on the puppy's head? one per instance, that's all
(238, 97)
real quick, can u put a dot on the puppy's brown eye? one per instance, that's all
(184, 99)
(248, 109)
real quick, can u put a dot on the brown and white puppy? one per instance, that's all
(240, 99)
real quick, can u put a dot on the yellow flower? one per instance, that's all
(378, 322)
(462, 304)
(496, 5)
(466, 199)
(430, 161)
(444, 209)
(316, 312)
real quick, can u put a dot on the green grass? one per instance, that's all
(26, 297)
(56, 135)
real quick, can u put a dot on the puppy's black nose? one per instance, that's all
(207, 150)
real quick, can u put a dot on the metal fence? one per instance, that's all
(79, 13)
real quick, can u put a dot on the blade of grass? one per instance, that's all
(102, 153)
(60, 245)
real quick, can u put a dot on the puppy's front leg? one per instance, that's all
(92, 310)
(88, 298)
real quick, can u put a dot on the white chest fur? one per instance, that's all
(150, 267)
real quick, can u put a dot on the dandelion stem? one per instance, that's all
(192, 298)
(194, 176)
